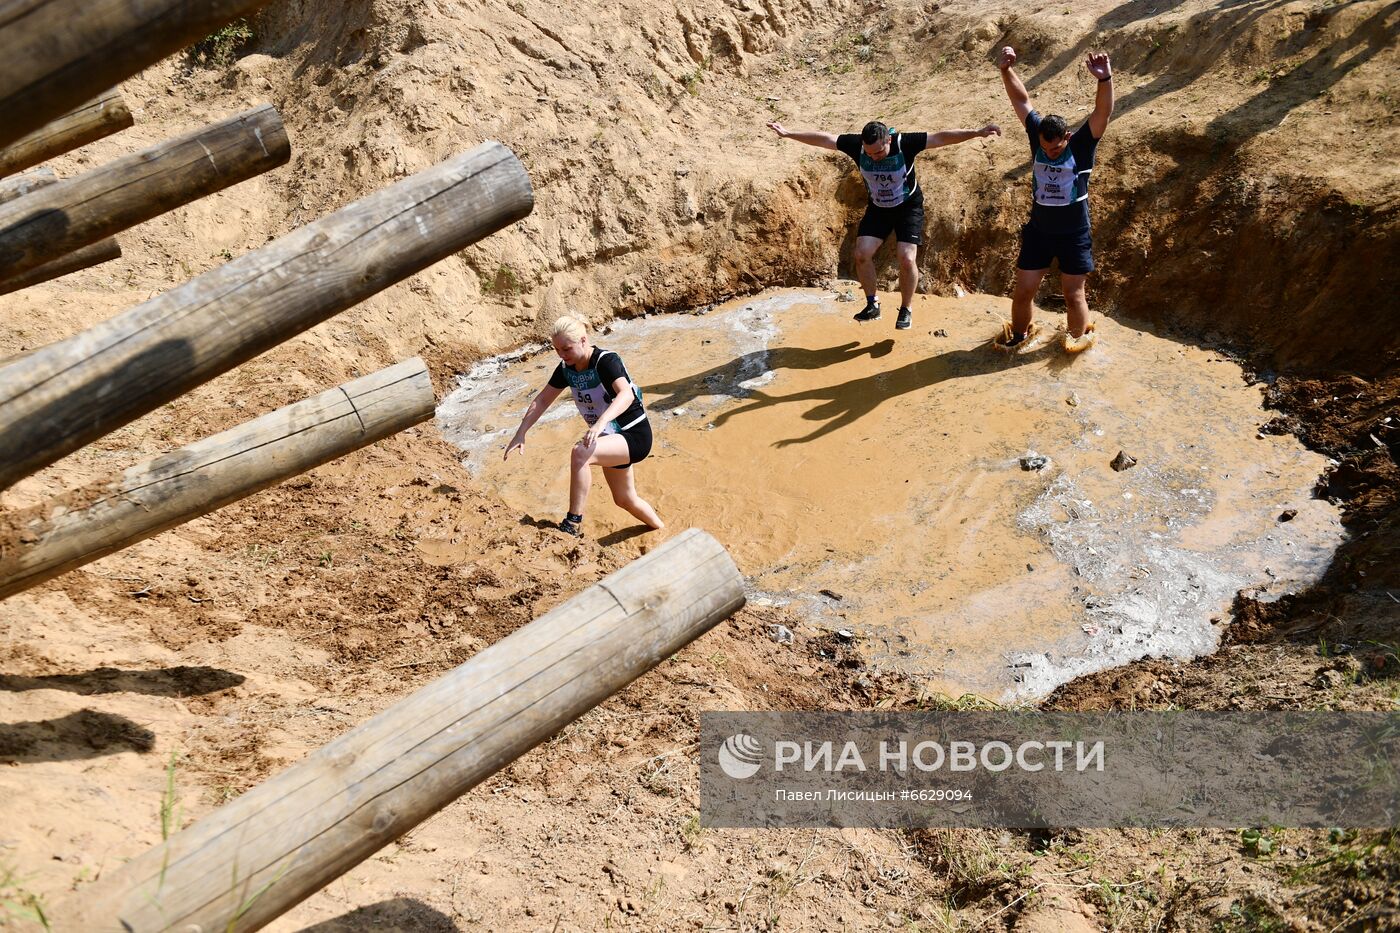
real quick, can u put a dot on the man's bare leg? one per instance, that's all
(1076, 304)
(1023, 299)
(866, 247)
(908, 281)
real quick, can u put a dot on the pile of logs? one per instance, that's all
(59, 398)
(250, 861)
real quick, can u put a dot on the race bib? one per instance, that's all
(886, 188)
(1054, 183)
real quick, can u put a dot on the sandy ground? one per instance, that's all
(1245, 200)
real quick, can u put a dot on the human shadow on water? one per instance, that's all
(847, 402)
(725, 379)
(623, 534)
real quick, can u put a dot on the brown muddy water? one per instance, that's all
(872, 479)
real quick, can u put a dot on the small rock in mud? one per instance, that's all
(1328, 679)
(1123, 462)
(940, 333)
(831, 594)
(845, 296)
(1034, 461)
(1288, 515)
(1073, 400)
(781, 634)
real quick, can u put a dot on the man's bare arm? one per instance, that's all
(953, 137)
(1015, 90)
(810, 137)
(1102, 70)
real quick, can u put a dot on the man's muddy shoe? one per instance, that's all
(870, 312)
(1081, 343)
(572, 525)
(905, 320)
(1011, 341)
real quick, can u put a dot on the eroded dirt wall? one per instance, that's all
(1246, 191)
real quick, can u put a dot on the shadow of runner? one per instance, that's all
(848, 402)
(400, 914)
(75, 737)
(1219, 28)
(1312, 78)
(623, 534)
(725, 379)
(167, 682)
(1121, 16)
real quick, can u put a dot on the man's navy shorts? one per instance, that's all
(907, 222)
(1074, 250)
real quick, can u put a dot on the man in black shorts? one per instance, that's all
(1059, 223)
(886, 160)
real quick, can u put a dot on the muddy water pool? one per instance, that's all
(873, 479)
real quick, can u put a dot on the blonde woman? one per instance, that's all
(618, 434)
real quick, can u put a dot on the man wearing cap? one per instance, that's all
(886, 160)
(1058, 227)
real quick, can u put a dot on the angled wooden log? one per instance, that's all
(251, 860)
(95, 119)
(59, 398)
(56, 54)
(93, 255)
(17, 186)
(82, 525)
(59, 218)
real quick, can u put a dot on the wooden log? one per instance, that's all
(85, 524)
(17, 186)
(69, 393)
(95, 119)
(96, 254)
(56, 54)
(57, 219)
(254, 858)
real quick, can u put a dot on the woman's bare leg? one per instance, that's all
(624, 493)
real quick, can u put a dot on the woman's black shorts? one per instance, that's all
(638, 438)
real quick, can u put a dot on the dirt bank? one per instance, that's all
(1246, 197)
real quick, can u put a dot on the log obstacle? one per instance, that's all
(63, 396)
(256, 857)
(96, 254)
(56, 54)
(95, 119)
(17, 186)
(81, 526)
(59, 218)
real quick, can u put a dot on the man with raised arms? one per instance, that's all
(886, 160)
(1058, 227)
